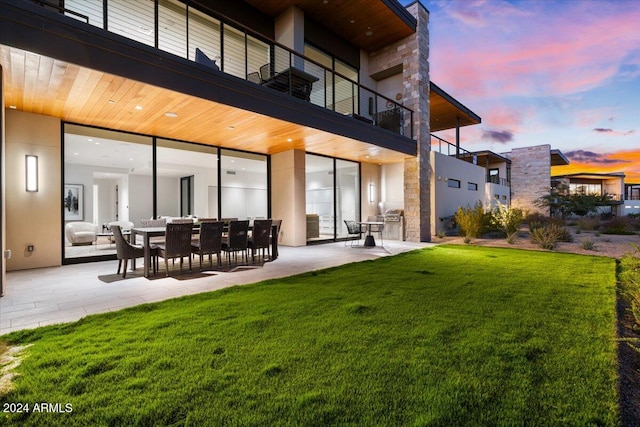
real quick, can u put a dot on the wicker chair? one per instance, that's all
(126, 251)
(353, 230)
(210, 241)
(260, 237)
(177, 244)
(236, 240)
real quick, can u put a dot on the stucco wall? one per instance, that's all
(446, 200)
(33, 218)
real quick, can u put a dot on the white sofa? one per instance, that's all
(81, 233)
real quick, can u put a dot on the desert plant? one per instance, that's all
(440, 234)
(548, 236)
(534, 217)
(588, 223)
(617, 225)
(470, 220)
(511, 238)
(507, 219)
(588, 244)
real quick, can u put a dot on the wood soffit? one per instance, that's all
(369, 25)
(42, 85)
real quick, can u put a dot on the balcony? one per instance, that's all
(230, 48)
(445, 147)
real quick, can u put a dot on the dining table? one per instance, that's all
(148, 232)
(369, 240)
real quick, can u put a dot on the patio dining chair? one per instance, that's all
(209, 242)
(177, 244)
(353, 230)
(236, 240)
(260, 237)
(126, 251)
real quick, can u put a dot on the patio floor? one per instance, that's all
(46, 296)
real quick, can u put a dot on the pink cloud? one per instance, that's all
(578, 47)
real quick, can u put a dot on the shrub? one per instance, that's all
(507, 219)
(588, 223)
(617, 225)
(588, 244)
(534, 217)
(511, 238)
(630, 279)
(470, 220)
(549, 235)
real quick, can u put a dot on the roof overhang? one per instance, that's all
(485, 157)
(588, 175)
(376, 24)
(59, 67)
(447, 112)
(558, 158)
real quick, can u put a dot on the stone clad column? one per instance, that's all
(413, 54)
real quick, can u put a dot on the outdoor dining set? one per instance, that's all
(240, 240)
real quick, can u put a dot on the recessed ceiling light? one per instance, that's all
(75, 154)
(230, 127)
(90, 140)
(138, 107)
(325, 1)
(13, 107)
(353, 21)
(367, 157)
(97, 143)
(369, 32)
(111, 101)
(131, 160)
(171, 114)
(289, 139)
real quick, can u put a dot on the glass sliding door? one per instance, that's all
(320, 196)
(244, 185)
(187, 180)
(347, 191)
(332, 196)
(107, 177)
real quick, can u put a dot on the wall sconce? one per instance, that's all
(31, 181)
(372, 192)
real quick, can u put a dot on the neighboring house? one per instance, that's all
(299, 110)
(611, 184)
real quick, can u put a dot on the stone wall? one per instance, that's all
(530, 176)
(413, 54)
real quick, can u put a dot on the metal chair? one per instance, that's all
(210, 241)
(237, 239)
(254, 77)
(126, 251)
(260, 237)
(177, 244)
(353, 229)
(266, 72)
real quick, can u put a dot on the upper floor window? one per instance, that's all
(453, 183)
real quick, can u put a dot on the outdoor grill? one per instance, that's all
(394, 224)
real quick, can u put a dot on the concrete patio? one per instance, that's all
(47, 296)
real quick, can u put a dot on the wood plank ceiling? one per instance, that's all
(42, 85)
(370, 25)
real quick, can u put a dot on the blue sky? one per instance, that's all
(558, 72)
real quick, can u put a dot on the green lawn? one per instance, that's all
(449, 336)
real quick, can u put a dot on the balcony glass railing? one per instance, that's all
(183, 28)
(492, 179)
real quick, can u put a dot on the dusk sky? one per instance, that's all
(558, 72)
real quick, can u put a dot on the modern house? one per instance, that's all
(310, 111)
(611, 184)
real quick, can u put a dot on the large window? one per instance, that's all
(187, 179)
(577, 188)
(244, 185)
(108, 177)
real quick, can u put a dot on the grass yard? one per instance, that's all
(449, 336)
